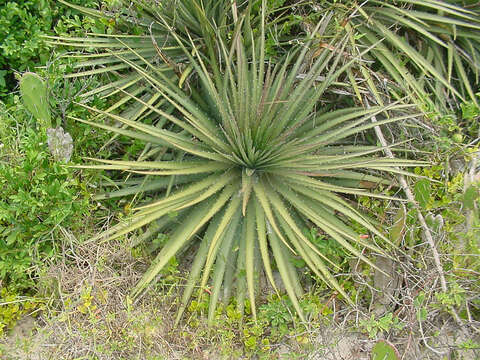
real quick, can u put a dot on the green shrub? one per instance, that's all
(39, 196)
(23, 23)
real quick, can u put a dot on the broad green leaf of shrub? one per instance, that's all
(398, 228)
(35, 97)
(383, 350)
(470, 196)
(422, 192)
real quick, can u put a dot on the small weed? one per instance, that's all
(385, 323)
(13, 307)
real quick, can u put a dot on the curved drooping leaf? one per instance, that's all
(429, 49)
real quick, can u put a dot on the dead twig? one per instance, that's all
(421, 218)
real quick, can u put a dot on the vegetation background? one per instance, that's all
(63, 296)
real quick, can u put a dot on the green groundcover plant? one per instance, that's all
(39, 197)
(240, 154)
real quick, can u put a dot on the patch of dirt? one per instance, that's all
(333, 344)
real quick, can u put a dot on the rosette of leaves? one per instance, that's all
(427, 48)
(244, 158)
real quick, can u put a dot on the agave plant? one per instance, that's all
(244, 158)
(424, 48)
